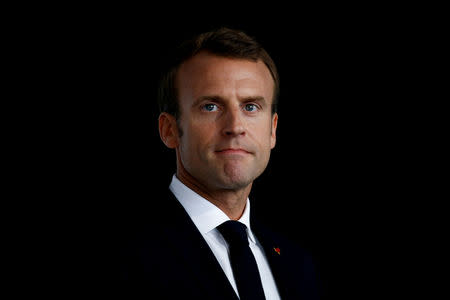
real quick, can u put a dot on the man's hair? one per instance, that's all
(223, 42)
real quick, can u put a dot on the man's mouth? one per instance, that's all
(232, 151)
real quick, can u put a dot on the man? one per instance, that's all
(218, 112)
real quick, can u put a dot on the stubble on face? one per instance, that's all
(199, 153)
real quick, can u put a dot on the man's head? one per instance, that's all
(222, 42)
(218, 110)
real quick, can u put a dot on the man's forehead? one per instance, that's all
(207, 71)
(205, 61)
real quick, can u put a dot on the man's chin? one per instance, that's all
(236, 181)
(236, 185)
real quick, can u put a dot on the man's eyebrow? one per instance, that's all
(214, 98)
(209, 97)
(255, 99)
(220, 99)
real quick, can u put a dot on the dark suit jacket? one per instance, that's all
(169, 259)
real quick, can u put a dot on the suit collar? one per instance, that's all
(205, 215)
(199, 258)
(196, 253)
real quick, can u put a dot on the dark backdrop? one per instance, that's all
(335, 176)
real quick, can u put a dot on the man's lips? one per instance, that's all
(233, 151)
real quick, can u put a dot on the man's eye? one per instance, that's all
(210, 107)
(250, 107)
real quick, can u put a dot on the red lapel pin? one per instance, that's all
(277, 250)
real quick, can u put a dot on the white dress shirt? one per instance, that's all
(206, 216)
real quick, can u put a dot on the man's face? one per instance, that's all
(228, 129)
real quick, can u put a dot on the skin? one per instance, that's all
(228, 129)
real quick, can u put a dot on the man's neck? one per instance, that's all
(231, 202)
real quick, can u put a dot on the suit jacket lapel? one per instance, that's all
(195, 252)
(291, 266)
(277, 261)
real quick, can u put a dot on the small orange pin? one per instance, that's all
(277, 250)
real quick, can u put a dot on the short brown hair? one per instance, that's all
(224, 42)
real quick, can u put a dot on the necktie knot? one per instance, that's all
(234, 232)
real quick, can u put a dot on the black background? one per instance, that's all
(339, 178)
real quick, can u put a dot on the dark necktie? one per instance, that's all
(242, 261)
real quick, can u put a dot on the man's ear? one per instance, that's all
(273, 135)
(168, 130)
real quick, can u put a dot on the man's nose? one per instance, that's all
(234, 124)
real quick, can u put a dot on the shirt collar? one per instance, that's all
(205, 215)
